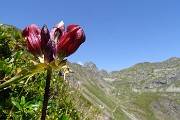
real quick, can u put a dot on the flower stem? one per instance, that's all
(46, 94)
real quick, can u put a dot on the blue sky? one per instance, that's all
(120, 33)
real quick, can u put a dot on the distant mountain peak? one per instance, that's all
(6, 26)
(92, 66)
(173, 59)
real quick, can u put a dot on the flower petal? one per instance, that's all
(33, 51)
(45, 37)
(57, 32)
(71, 40)
(80, 38)
(71, 27)
(32, 35)
(49, 51)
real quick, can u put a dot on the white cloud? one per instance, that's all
(80, 63)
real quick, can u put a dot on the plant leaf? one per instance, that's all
(23, 100)
(28, 105)
(16, 104)
(58, 65)
(65, 117)
(25, 73)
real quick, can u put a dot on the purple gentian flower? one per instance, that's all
(58, 43)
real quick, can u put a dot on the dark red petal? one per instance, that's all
(32, 35)
(49, 51)
(72, 49)
(45, 37)
(80, 38)
(33, 27)
(70, 27)
(30, 48)
(64, 43)
(34, 44)
(71, 40)
(69, 37)
(25, 32)
(35, 41)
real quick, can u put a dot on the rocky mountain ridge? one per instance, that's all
(145, 91)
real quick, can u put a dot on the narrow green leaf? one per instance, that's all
(16, 104)
(23, 100)
(65, 117)
(28, 105)
(8, 70)
(30, 112)
(25, 73)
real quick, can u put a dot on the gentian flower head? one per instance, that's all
(47, 46)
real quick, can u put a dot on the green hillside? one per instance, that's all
(145, 91)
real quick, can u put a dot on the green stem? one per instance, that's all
(46, 94)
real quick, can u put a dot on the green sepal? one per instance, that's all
(58, 65)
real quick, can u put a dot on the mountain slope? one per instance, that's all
(145, 91)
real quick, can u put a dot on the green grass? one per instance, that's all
(143, 101)
(95, 90)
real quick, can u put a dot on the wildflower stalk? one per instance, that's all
(46, 94)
